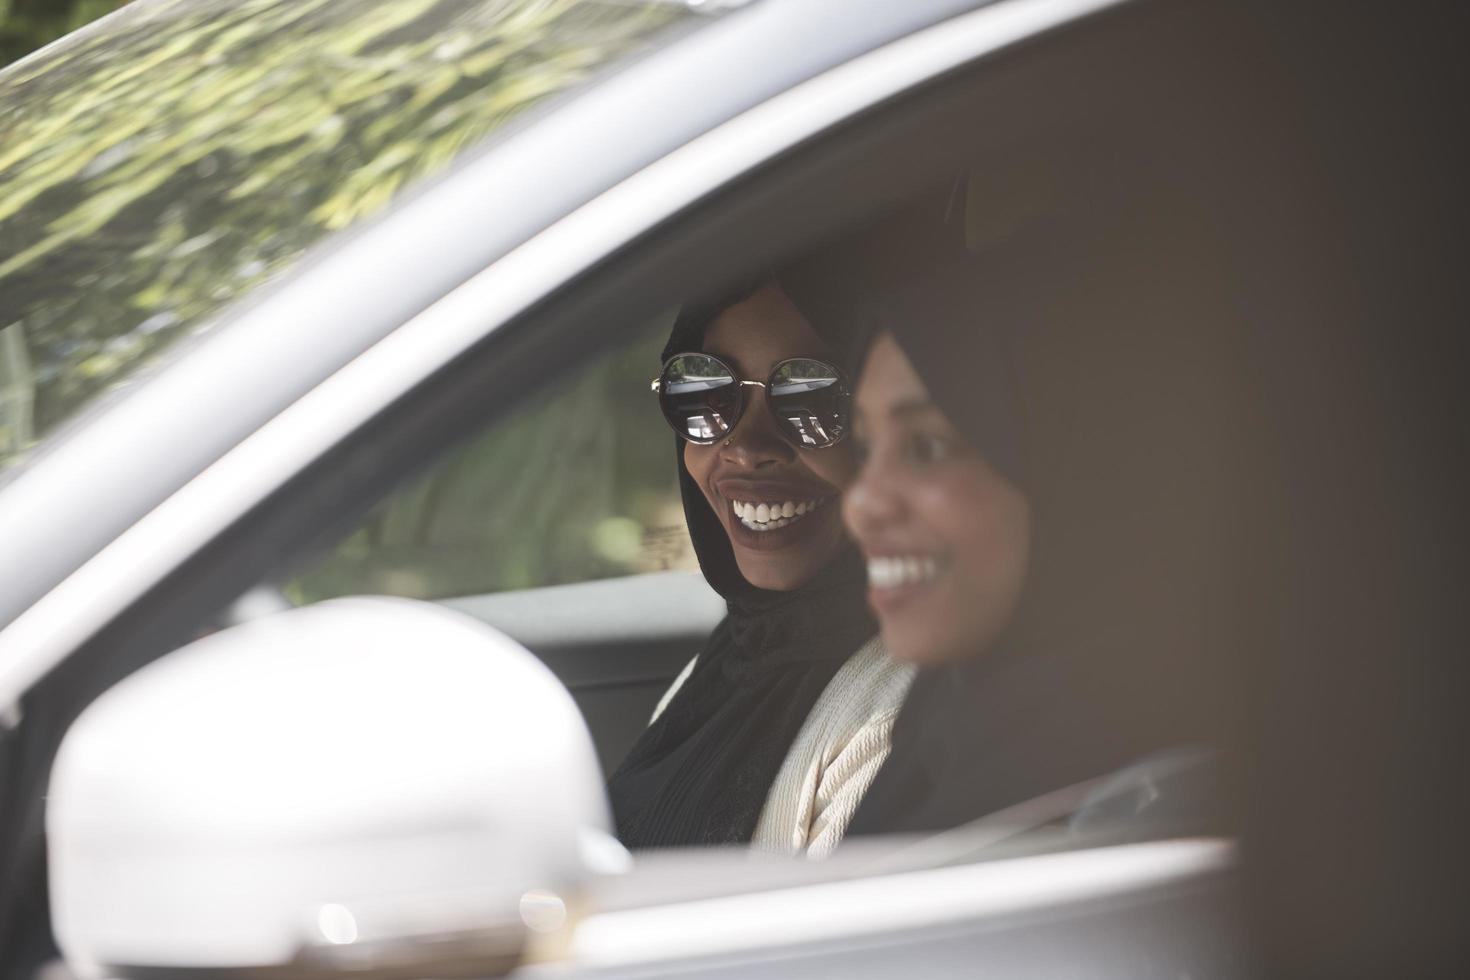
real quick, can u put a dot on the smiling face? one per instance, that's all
(777, 503)
(946, 536)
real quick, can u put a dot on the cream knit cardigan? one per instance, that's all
(835, 755)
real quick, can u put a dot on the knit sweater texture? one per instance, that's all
(835, 756)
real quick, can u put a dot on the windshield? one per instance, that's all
(177, 154)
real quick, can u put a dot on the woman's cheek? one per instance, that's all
(947, 505)
(837, 465)
(982, 526)
(698, 460)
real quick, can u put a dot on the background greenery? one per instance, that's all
(158, 167)
(578, 484)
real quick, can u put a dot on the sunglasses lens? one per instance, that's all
(811, 402)
(700, 397)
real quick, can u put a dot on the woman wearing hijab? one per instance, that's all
(1008, 582)
(773, 733)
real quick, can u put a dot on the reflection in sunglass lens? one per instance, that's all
(811, 401)
(700, 397)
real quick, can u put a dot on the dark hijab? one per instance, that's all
(1065, 694)
(701, 772)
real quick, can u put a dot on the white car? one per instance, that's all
(324, 338)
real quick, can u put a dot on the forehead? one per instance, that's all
(760, 330)
(888, 380)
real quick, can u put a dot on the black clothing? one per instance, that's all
(976, 737)
(701, 772)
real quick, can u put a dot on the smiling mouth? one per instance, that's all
(902, 571)
(771, 515)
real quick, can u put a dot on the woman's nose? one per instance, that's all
(755, 442)
(871, 502)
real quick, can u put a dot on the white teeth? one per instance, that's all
(769, 516)
(891, 572)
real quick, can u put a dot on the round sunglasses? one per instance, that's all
(703, 398)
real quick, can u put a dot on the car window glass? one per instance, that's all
(171, 158)
(576, 484)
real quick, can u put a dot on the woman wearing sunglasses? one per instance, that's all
(773, 732)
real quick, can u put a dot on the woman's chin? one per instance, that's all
(920, 620)
(767, 571)
(930, 635)
(921, 651)
(784, 565)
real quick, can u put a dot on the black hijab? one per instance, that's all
(701, 772)
(1065, 694)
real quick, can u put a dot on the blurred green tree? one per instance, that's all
(154, 171)
(578, 484)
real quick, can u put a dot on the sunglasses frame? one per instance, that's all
(657, 387)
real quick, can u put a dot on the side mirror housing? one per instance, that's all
(373, 785)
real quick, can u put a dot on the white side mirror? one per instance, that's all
(371, 785)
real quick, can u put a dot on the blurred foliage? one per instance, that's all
(578, 484)
(160, 165)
